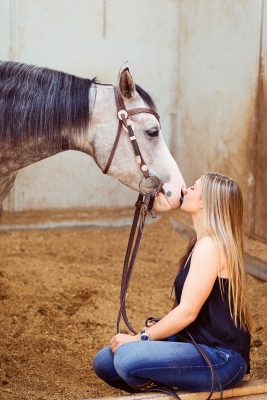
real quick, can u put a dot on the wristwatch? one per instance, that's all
(144, 335)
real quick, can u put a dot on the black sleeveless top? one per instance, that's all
(214, 325)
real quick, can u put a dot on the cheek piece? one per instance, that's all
(151, 183)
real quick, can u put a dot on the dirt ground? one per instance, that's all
(59, 294)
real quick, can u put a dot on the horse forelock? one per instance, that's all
(40, 102)
(146, 97)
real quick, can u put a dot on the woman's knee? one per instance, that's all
(103, 362)
(128, 359)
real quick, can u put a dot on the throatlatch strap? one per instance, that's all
(113, 150)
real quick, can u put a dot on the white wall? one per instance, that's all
(218, 74)
(219, 57)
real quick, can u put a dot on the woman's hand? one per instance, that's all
(150, 323)
(117, 340)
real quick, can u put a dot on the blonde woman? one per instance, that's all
(212, 306)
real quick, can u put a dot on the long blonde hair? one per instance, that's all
(223, 222)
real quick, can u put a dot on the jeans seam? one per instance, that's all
(232, 379)
(181, 367)
(202, 366)
(170, 367)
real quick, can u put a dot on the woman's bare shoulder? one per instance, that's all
(207, 248)
(206, 243)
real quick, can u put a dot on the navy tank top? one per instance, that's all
(214, 325)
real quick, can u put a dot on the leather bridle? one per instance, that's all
(125, 121)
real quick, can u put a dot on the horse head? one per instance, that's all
(147, 131)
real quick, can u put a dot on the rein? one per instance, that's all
(145, 199)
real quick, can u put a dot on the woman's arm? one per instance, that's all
(197, 287)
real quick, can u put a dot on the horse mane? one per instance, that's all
(146, 97)
(40, 102)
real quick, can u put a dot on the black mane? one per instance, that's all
(146, 97)
(40, 102)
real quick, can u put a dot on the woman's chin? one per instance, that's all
(162, 204)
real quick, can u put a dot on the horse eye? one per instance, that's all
(153, 132)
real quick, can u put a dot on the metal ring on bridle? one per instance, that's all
(122, 114)
(152, 184)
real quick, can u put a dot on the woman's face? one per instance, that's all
(192, 202)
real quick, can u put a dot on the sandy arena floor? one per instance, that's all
(59, 299)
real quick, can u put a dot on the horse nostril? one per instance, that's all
(169, 193)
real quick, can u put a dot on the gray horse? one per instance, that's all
(44, 112)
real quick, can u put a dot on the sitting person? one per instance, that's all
(212, 306)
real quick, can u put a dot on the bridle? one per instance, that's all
(145, 199)
(125, 121)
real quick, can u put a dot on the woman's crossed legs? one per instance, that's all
(173, 364)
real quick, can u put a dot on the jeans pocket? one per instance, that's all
(223, 352)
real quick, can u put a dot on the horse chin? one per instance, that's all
(161, 203)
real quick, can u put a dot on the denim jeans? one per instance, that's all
(168, 363)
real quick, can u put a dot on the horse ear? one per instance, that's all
(126, 83)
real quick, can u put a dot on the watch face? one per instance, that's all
(144, 336)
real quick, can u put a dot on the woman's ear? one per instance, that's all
(126, 83)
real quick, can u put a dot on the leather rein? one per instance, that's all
(144, 202)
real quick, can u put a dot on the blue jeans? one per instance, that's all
(168, 363)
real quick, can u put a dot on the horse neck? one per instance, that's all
(17, 156)
(103, 123)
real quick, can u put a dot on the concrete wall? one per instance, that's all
(259, 222)
(218, 75)
(221, 102)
